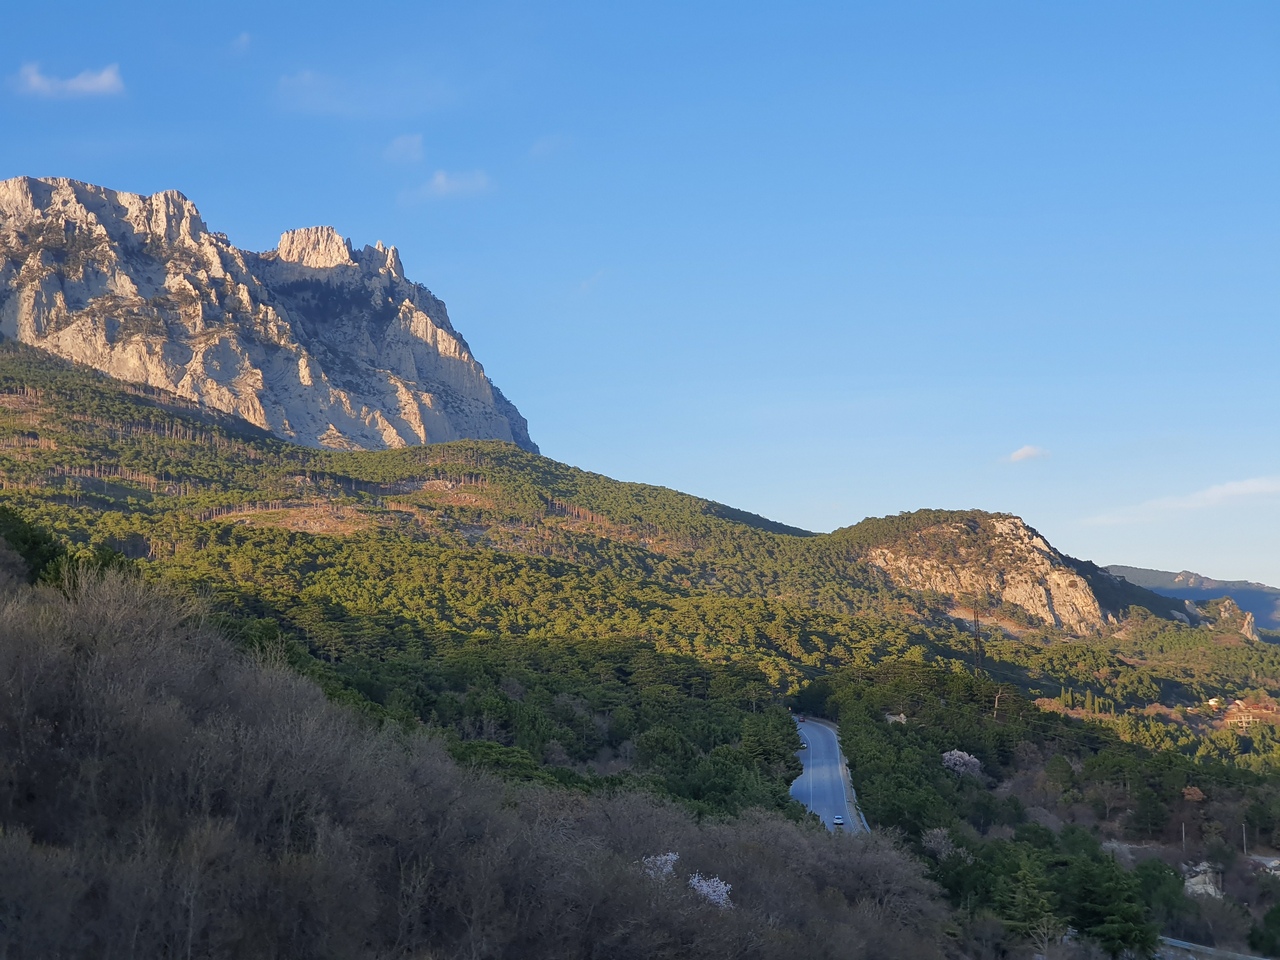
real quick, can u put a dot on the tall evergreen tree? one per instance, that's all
(1026, 901)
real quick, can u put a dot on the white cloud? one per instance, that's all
(444, 185)
(404, 149)
(91, 83)
(1027, 453)
(1218, 495)
(241, 43)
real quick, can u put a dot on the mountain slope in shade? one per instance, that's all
(1256, 598)
(316, 341)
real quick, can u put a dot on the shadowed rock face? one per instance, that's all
(317, 342)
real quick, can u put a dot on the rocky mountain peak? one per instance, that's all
(315, 341)
(317, 247)
(127, 218)
(390, 257)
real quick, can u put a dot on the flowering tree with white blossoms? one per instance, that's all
(962, 764)
(660, 866)
(712, 889)
(938, 842)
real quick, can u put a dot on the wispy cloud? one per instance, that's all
(1027, 453)
(545, 147)
(444, 185)
(310, 91)
(404, 149)
(91, 83)
(241, 43)
(592, 280)
(1216, 496)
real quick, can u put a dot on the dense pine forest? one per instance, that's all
(570, 652)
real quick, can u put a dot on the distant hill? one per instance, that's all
(1256, 598)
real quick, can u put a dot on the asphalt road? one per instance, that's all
(1181, 950)
(822, 786)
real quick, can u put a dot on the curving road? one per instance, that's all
(824, 786)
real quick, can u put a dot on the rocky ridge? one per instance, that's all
(1002, 558)
(316, 341)
(1258, 599)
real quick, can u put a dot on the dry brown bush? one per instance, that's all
(165, 796)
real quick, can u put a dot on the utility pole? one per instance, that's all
(1184, 838)
(1244, 840)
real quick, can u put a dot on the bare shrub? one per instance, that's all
(13, 570)
(164, 795)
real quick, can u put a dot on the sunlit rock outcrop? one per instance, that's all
(318, 342)
(998, 557)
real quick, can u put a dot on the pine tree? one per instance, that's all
(1026, 902)
(1105, 906)
(1149, 814)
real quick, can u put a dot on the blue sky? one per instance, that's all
(820, 261)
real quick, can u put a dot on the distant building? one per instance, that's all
(1244, 715)
(1243, 719)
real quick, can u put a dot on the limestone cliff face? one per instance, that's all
(315, 341)
(997, 556)
(1227, 614)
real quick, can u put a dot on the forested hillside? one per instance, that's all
(364, 560)
(598, 639)
(1049, 824)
